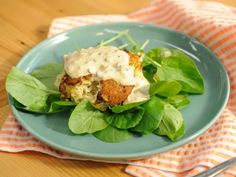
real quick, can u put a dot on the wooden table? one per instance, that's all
(24, 23)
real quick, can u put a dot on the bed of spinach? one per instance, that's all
(31, 94)
(172, 75)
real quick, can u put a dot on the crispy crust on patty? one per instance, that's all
(134, 61)
(67, 83)
(112, 92)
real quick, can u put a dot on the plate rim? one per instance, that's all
(137, 155)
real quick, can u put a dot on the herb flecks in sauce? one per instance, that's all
(107, 62)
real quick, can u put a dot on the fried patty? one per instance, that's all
(110, 92)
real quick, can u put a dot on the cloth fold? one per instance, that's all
(212, 23)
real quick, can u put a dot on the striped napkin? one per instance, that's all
(213, 24)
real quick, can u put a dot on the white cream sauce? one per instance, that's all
(107, 62)
(140, 91)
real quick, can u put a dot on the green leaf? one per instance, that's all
(171, 123)
(182, 68)
(172, 118)
(113, 135)
(165, 88)
(152, 61)
(27, 90)
(32, 108)
(37, 97)
(59, 106)
(86, 119)
(157, 54)
(149, 72)
(39, 106)
(178, 101)
(174, 136)
(152, 117)
(55, 104)
(125, 107)
(52, 106)
(177, 135)
(126, 119)
(48, 73)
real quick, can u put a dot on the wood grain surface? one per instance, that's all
(24, 23)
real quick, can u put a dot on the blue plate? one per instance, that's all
(199, 115)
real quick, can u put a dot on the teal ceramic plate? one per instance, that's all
(199, 115)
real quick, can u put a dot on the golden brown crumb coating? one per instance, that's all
(113, 93)
(134, 61)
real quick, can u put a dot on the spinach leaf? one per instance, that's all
(154, 110)
(27, 90)
(126, 119)
(113, 135)
(173, 136)
(52, 106)
(172, 118)
(177, 135)
(149, 73)
(53, 97)
(55, 104)
(35, 108)
(48, 73)
(86, 119)
(39, 106)
(59, 106)
(165, 88)
(157, 55)
(174, 65)
(178, 101)
(171, 123)
(180, 67)
(125, 107)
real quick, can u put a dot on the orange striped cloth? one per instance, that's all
(213, 24)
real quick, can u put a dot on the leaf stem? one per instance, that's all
(131, 40)
(144, 44)
(120, 34)
(123, 46)
(153, 62)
